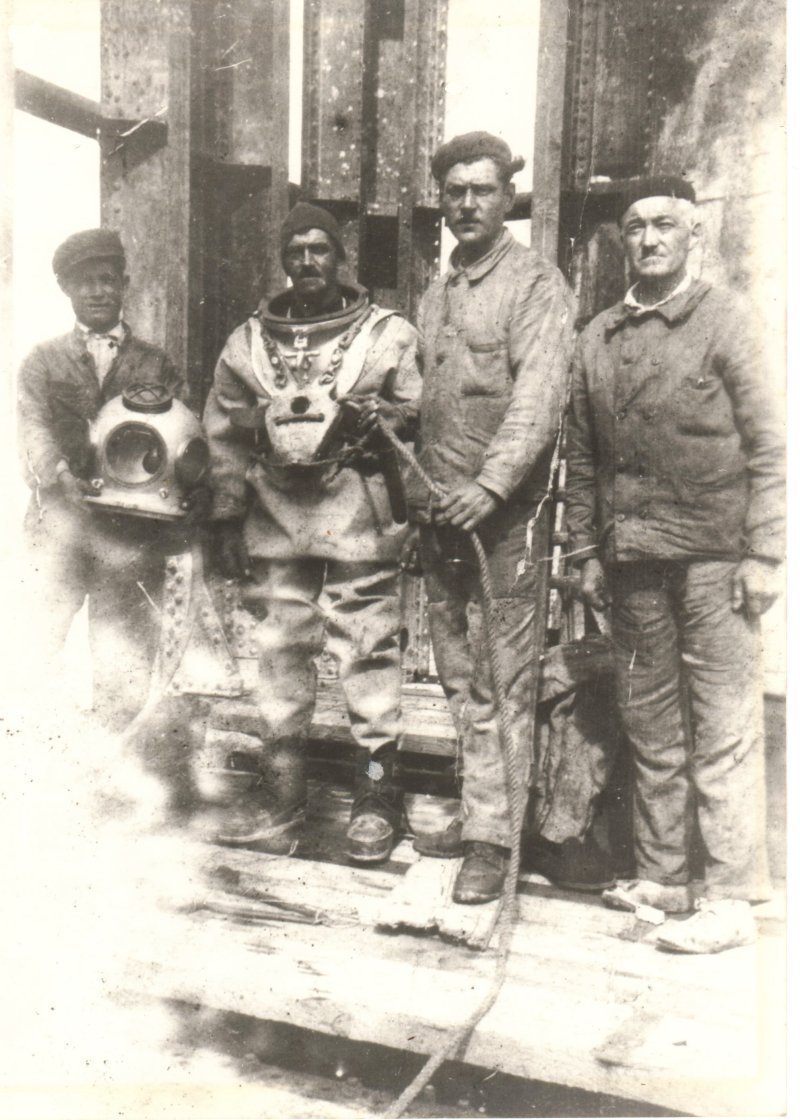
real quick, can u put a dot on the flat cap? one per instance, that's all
(305, 216)
(655, 186)
(87, 245)
(471, 146)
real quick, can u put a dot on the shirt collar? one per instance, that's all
(633, 304)
(677, 305)
(117, 332)
(484, 264)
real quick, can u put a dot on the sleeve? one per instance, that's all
(403, 387)
(581, 486)
(756, 417)
(231, 448)
(39, 447)
(540, 341)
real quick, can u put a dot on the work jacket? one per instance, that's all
(338, 510)
(497, 338)
(675, 451)
(58, 395)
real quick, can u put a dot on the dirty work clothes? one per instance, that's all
(334, 512)
(353, 610)
(75, 553)
(58, 394)
(460, 648)
(674, 620)
(675, 450)
(497, 338)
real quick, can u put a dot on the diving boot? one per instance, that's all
(377, 817)
(269, 817)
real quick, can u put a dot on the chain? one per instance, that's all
(280, 365)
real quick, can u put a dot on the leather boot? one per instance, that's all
(269, 817)
(377, 817)
(482, 874)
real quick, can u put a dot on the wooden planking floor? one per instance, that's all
(588, 1001)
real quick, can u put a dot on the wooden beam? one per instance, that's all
(549, 127)
(57, 105)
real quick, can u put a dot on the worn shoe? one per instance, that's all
(444, 844)
(575, 865)
(250, 825)
(377, 818)
(630, 894)
(717, 925)
(482, 874)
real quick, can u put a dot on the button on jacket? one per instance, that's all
(675, 449)
(497, 337)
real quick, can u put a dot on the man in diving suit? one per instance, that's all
(313, 530)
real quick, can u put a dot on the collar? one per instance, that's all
(678, 305)
(117, 332)
(633, 304)
(478, 269)
(276, 313)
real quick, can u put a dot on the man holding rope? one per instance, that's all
(496, 332)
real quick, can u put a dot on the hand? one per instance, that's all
(73, 490)
(756, 585)
(593, 588)
(197, 503)
(368, 410)
(466, 505)
(230, 554)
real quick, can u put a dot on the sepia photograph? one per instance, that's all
(394, 669)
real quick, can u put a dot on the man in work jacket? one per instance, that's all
(496, 332)
(675, 509)
(115, 560)
(315, 526)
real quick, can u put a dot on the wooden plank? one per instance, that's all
(423, 900)
(149, 71)
(549, 127)
(57, 105)
(403, 992)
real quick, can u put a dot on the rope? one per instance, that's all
(508, 906)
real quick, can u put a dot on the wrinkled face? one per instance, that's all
(311, 260)
(475, 201)
(658, 234)
(96, 289)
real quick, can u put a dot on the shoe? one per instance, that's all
(717, 925)
(269, 816)
(575, 865)
(377, 819)
(444, 844)
(482, 874)
(251, 825)
(630, 894)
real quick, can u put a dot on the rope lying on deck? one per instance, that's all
(508, 910)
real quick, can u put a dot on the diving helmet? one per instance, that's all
(149, 452)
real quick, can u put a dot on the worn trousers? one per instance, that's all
(118, 565)
(458, 636)
(350, 609)
(690, 695)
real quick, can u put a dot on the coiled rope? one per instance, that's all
(508, 906)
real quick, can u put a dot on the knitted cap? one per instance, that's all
(305, 216)
(655, 186)
(471, 146)
(88, 245)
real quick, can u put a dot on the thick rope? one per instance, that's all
(508, 907)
